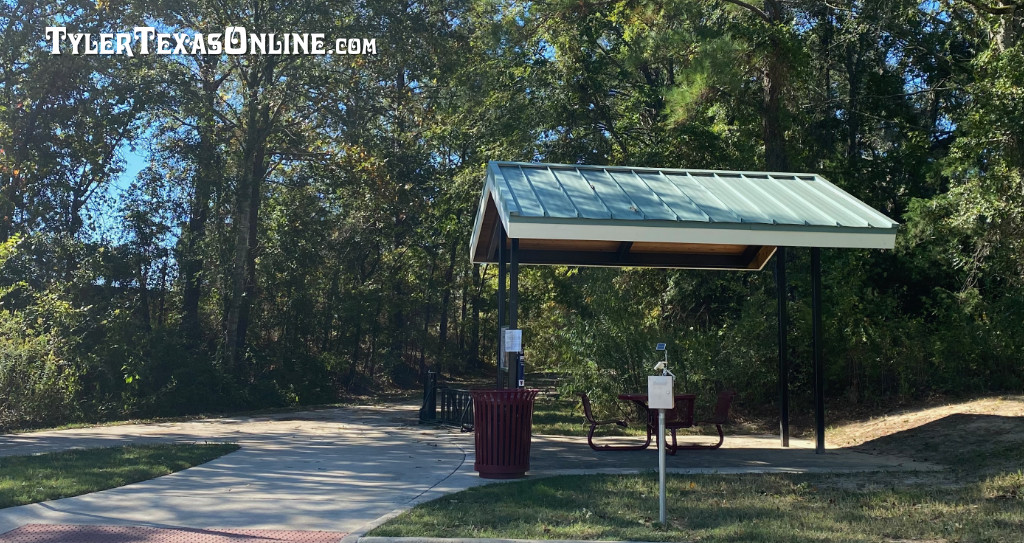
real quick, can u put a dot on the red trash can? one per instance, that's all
(503, 424)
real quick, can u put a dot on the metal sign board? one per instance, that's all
(513, 341)
(659, 392)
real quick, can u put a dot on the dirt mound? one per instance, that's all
(949, 434)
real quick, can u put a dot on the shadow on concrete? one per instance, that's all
(742, 454)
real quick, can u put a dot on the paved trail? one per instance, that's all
(331, 470)
(316, 476)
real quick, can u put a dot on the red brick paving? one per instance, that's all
(71, 533)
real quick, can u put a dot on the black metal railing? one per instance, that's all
(456, 405)
(456, 408)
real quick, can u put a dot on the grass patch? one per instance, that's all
(31, 479)
(558, 418)
(755, 508)
(565, 418)
(978, 498)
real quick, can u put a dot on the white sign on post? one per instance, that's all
(659, 392)
(513, 341)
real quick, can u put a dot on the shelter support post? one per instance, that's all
(819, 366)
(502, 258)
(780, 288)
(513, 285)
(513, 306)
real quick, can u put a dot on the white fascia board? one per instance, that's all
(478, 222)
(481, 209)
(491, 192)
(851, 238)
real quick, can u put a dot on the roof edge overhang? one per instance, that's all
(760, 240)
(782, 235)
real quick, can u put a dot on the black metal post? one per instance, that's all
(780, 287)
(428, 411)
(502, 257)
(819, 366)
(513, 286)
(513, 307)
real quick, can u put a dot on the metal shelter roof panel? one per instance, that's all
(673, 212)
(616, 199)
(550, 192)
(673, 198)
(564, 191)
(528, 205)
(770, 200)
(837, 215)
(708, 203)
(734, 200)
(584, 197)
(784, 201)
(647, 202)
(874, 218)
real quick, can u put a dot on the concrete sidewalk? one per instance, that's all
(346, 470)
(332, 470)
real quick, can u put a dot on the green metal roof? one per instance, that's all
(654, 205)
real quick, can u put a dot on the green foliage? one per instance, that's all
(38, 384)
(300, 229)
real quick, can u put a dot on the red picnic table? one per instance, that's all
(681, 416)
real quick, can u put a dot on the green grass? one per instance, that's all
(31, 479)
(565, 418)
(558, 417)
(979, 498)
(755, 508)
(378, 399)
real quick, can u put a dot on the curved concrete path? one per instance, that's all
(331, 470)
(341, 471)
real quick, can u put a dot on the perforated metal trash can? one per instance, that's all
(503, 423)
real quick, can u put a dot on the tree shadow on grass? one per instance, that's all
(969, 443)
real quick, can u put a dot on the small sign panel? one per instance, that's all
(659, 392)
(513, 341)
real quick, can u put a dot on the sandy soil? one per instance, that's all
(1004, 411)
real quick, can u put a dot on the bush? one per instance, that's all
(37, 385)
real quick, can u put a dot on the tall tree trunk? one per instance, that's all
(1009, 25)
(464, 306)
(163, 294)
(827, 135)
(774, 82)
(446, 298)
(357, 340)
(853, 74)
(423, 343)
(144, 302)
(207, 170)
(246, 215)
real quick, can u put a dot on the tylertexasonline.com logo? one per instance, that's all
(235, 40)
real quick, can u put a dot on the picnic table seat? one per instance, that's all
(719, 417)
(594, 423)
